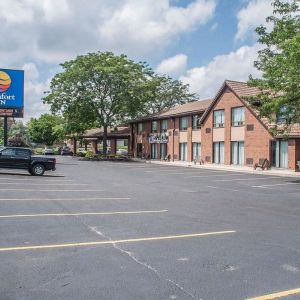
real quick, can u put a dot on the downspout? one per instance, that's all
(173, 120)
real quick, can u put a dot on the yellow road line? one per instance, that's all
(159, 238)
(87, 214)
(277, 295)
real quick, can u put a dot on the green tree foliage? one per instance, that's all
(163, 93)
(47, 129)
(98, 89)
(279, 63)
(18, 135)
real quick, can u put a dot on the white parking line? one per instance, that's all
(277, 184)
(34, 179)
(215, 175)
(221, 188)
(86, 214)
(41, 183)
(39, 190)
(64, 199)
(250, 178)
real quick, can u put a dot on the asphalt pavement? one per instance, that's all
(120, 230)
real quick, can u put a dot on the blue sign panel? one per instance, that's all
(11, 89)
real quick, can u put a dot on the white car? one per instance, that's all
(48, 151)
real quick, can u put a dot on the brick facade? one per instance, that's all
(252, 132)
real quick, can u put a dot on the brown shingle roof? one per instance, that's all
(191, 107)
(242, 89)
(98, 132)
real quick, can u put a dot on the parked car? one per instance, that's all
(48, 150)
(22, 158)
(122, 152)
(66, 151)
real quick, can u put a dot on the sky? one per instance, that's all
(200, 42)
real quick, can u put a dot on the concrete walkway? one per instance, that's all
(232, 168)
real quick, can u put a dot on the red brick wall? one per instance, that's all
(294, 153)
(257, 142)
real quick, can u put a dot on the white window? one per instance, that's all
(218, 149)
(238, 116)
(196, 151)
(154, 126)
(237, 153)
(183, 123)
(219, 118)
(196, 122)
(183, 151)
(163, 151)
(164, 126)
(154, 151)
(280, 154)
(140, 128)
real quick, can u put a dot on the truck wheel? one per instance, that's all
(38, 170)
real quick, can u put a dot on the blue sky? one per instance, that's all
(201, 42)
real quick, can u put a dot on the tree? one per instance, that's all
(47, 129)
(164, 93)
(99, 88)
(279, 63)
(18, 135)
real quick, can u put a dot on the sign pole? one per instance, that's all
(5, 129)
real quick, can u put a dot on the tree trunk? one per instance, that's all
(104, 140)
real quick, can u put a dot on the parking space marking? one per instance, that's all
(41, 183)
(110, 242)
(39, 190)
(250, 178)
(275, 184)
(277, 295)
(34, 179)
(222, 188)
(65, 199)
(214, 175)
(87, 214)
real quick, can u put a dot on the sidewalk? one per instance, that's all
(231, 168)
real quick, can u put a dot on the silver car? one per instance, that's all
(48, 151)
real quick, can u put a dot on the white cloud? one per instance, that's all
(48, 32)
(251, 16)
(173, 66)
(237, 65)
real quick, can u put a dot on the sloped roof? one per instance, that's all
(242, 89)
(111, 132)
(191, 107)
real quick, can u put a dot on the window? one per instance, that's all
(282, 116)
(196, 122)
(140, 128)
(280, 154)
(219, 118)
(237, 153)
(154, 126)
(196, 151)
(163, 151)
(238, 116)
(23, 152)
(218, 149)
(183, 123)
(8, 152)
(164, 126)
(154, 151)
(183, 151)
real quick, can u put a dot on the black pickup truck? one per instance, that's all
(22, 158)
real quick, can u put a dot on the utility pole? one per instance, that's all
(5, 129)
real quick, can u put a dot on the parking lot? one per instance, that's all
(113, 230)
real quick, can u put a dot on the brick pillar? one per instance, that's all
(189, 140)
(292, 154)
(95, 146)
(113, 146)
